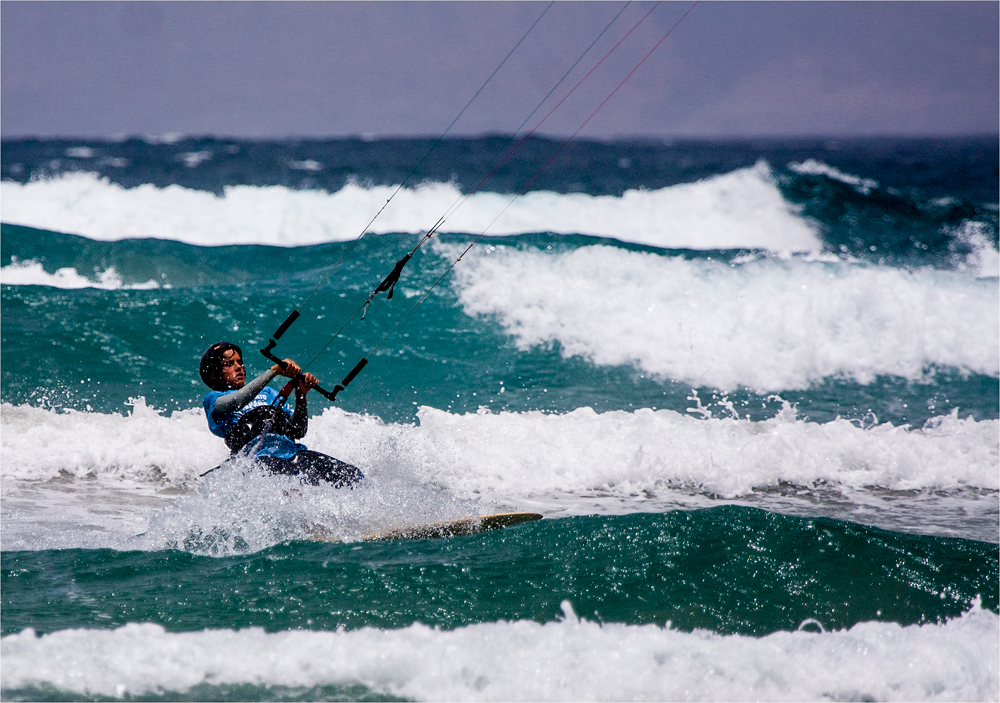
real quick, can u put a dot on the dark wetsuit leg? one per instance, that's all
(314, 467)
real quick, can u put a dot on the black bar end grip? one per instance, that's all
(354, 372)
(327, 394)
(340, 386)
(266, 351)
(286, 324)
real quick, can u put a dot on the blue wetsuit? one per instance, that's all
(271, 444)
(251, 425)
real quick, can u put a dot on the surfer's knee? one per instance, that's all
(316, 468)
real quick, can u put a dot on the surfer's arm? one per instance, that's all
(231, 402)
(300, 418)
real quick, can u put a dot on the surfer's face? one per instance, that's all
(233, 372)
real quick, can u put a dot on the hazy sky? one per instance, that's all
(275, 69)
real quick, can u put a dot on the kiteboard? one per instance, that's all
(435, 530)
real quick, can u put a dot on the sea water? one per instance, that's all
(751, 386)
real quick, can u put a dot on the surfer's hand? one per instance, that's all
(306, 384)
(290, 370)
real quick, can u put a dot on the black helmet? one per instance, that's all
(211, 365)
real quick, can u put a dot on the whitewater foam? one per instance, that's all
(741, 209)
(973, 250)
(573, 659)
(31, 273)
(646, 452)
(65, 473)
(515, 455)
(766, 323)
(144, 445)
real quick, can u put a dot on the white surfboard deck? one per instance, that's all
(434, 530)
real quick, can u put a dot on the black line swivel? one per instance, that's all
(388, 284)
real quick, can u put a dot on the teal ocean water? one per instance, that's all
(751, 386)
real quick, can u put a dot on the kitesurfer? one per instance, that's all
(247, 416)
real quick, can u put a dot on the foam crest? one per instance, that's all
(514, 456)
(647, 452)
(31, 273)
(38, 443)
(741, 209)
(573, 659)
(812, 167)
(763, 323)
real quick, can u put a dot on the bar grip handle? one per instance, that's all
(266, 351)
(286, 324)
